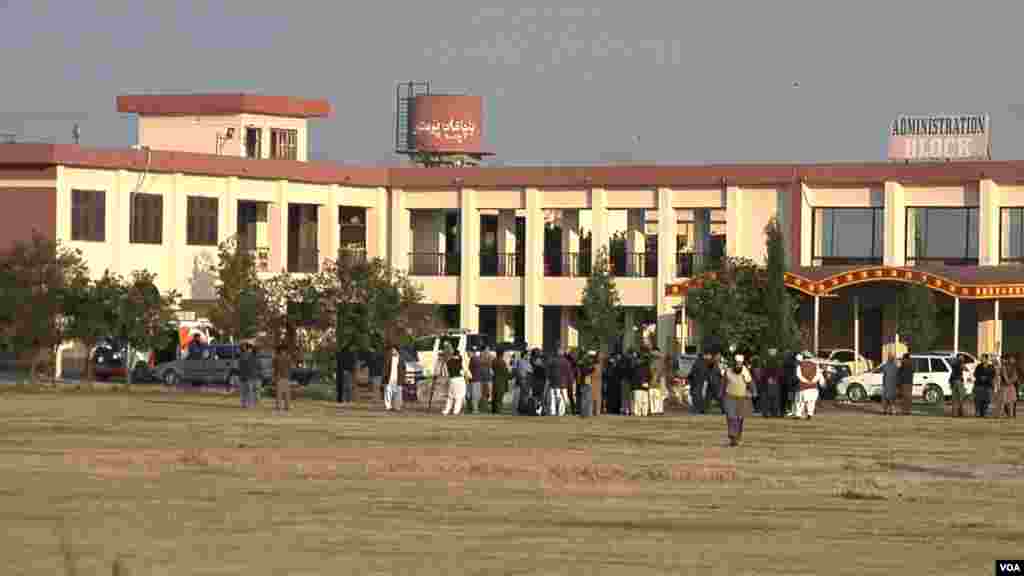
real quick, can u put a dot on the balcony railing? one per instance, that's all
(352, 256)
(567, 264)
(941, 261)
(846, 261)
(261, 258)
(636, 265)
(304, 261)
(690, 264)
(434, 264)
(502, 264)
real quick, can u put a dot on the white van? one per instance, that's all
(931, 380)
(428, 347)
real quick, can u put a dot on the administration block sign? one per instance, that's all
(940, 138)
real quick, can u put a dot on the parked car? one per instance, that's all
(931, 381)
(969, 366)
(108, 360)
(857, 363)
(217, 364)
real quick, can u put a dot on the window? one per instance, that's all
(946, 236)
(88, 215)
(284, 144)
(939, 365)
(147, 223)
(843, 356)
(202, 221)
(253, 144)
(920, 365)
(1011, 235)
(352, 227)
(847, 236)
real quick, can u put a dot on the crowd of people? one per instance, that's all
(995, 385)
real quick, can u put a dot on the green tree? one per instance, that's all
(145, 314)
(235, 313)
(916, 312)
(729, 305)
(35, 277)
(93, 310)
(782, 331)
(598, 322)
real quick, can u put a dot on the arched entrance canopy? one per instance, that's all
(968, 282)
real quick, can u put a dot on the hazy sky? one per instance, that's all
(685, 82)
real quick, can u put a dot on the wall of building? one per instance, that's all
(200, 133)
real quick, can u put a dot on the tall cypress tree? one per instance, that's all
(782, 332)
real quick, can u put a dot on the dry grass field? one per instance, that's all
(191, 484)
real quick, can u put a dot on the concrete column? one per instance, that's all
(401, 231)
(856, 326)
(117, 228)
(174, 234)
(230, 210)
(570, 336)
(806, 215)
(469, 246)
(381, 221)
(956, 324)
(998, 327)
(635, 241)
(534, 289)
(282, 228)
(987, 327)
(988, 223)
(817, 323)
(895, 225)
(599, 221)
(333, 230)
(736, 232)
(666, 268)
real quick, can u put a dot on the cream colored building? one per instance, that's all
(507, 250)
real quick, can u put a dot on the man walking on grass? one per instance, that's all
(810, 378)
(890, 384)
(394, 376)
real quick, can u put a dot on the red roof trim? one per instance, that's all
(562, 177)
(222, 105)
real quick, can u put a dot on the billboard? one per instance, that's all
(447, 123)
(940, 138)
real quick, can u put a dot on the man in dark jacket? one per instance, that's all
(771, 384)
(715, 384)
(698, 378)
(956, 384)
(788, 384)
(984, 379)
(345, 376)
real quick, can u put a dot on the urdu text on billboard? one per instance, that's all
(942, 137)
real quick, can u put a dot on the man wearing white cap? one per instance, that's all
(810, 378)
(736, 398)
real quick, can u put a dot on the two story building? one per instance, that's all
(506, 251)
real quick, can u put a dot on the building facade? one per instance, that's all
(507, 250)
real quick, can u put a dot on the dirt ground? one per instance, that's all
(192, 484)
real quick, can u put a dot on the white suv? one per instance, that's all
(931, 380)
(428, 347)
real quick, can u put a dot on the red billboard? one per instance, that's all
(447, 123)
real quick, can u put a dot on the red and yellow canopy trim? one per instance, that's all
(827, 286)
